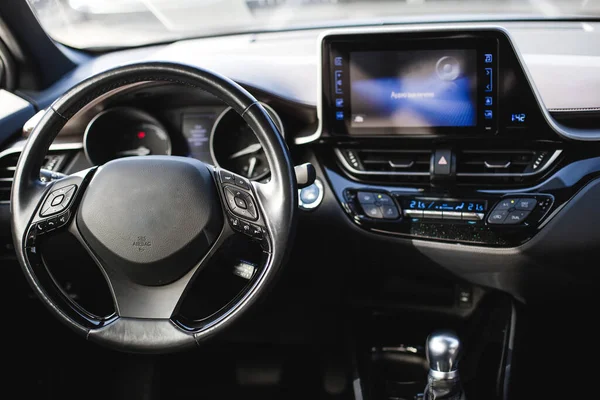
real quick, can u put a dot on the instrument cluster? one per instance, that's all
(214, 135)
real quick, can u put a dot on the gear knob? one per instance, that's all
(443, 351)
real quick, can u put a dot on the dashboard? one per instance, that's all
(446, 146)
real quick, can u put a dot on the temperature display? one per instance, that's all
(445, 205)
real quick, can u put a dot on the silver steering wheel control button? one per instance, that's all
(57, 201)
(240, 203)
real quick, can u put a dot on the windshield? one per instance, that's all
(125, 23)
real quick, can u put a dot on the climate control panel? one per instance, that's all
(516, 210)
(490, 219)
(441, 209)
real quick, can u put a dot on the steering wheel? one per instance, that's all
(152, 223)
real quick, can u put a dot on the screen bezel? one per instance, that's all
(342, 46)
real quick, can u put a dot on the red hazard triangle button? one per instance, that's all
(442, 163)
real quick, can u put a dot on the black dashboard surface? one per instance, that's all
(286, 64)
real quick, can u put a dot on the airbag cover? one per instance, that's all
(151, 218)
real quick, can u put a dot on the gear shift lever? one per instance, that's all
(443, 351)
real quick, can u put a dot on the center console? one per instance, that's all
(439, 134)
(437, 147)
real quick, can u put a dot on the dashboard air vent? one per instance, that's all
(518, 164)
(388, 163)
(8, 163)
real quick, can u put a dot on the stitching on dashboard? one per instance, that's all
(574, 109)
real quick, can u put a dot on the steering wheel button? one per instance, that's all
(249, 211)
(497, 217)
(57, 200)
(64, 190)
(226, 177)
(230, 196)
(516, 217)
(51, 224)
(240, 202)
(256, 232)
(234, 222)
(241, 182)
(31, 236)
(245, 213)
(526, 204)
(69, 194)
(62, 219)
(252, 213)
(51, 210)
(41, 227)
(246, 228)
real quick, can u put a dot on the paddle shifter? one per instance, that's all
(443, 382)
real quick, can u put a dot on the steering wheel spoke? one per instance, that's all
(245, 204)
(57, 203)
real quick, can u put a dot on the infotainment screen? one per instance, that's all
(420, 84)
(413, 89)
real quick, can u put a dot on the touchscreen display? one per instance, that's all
(413, 88)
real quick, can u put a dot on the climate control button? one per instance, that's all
(497, 216)
(526, 204)
(516, 217)
(389, 211)
(378, 205)
(373, 211)
(506, 204)
(366, 198)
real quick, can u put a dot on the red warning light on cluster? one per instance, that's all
(141, 134)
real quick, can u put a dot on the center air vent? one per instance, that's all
(488, 167)
(386, 162)
(503, 163)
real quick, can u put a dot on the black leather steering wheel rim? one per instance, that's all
(276, 201)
